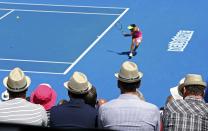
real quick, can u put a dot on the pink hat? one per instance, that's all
(44, 95)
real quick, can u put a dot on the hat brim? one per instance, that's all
(5, 95)
(175, 93)
(123, 79)
(28, 81)
(180, 87)
(75, 91)
(49, 104)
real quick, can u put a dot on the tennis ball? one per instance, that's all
(17, 17)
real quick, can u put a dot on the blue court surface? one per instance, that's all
(51, 39)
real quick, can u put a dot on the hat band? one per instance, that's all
(81, 91)
(16, 89)
(129, 78)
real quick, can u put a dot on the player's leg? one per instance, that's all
(137, 42)
(131, 49)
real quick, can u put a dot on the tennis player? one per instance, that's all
(136, 38)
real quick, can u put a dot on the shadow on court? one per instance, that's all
(125, 53)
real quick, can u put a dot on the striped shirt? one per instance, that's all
(129, 113)
(189, 114)
(21, 111)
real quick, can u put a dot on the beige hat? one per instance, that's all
(192, 79)
(16, 81)
(78, 83)
(129, 73)
(175, 92)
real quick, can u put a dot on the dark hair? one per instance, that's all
(195, 89)
(129, 85)
(133, 25)
(73, 95)
(17, 94)
(91, 97)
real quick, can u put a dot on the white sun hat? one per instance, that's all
(174, 90)
(129, 72)
(16, 81)
(5, 95)
(78, 83)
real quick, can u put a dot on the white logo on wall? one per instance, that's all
(180, 40)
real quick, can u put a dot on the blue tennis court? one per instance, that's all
(50, 40)
(51, 37)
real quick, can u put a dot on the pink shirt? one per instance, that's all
(136, 34)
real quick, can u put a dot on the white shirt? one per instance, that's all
(21, 111)
(129, 113)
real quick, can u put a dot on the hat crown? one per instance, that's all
(192, 79)
(129, 70)
(78, 83)
(43, 94)
(16, 81)
(16, 78)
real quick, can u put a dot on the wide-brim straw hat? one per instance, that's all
(78, 83)
(44, 95)
(129, 73)
(16, 81)
(192, 79)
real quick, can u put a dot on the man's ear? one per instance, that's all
(184, 92)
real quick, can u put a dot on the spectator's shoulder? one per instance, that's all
(37, 106)
(109, 104)
(153, 106)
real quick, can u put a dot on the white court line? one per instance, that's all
(36, 72)
(93, 44)
(36, 61)
(50, 11)
(13, 3)
(6, 14)
(85, 52)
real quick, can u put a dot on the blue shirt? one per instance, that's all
(74, 114)
(129, 113)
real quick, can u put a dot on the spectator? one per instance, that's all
(206, 93)
(100, 102)
(128, 111)
(17, 109)
(45, 96)
(140, 95)
(91, 97)
(175, 94)
(189, 113)
(76, 113)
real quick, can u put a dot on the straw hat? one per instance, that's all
(175, 92)
(129, 73)
(192, 79)
(16, 81)
(78, 83)
(44, 95)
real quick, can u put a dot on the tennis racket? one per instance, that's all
(119, 26)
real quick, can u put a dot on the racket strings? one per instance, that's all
(119, 26)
